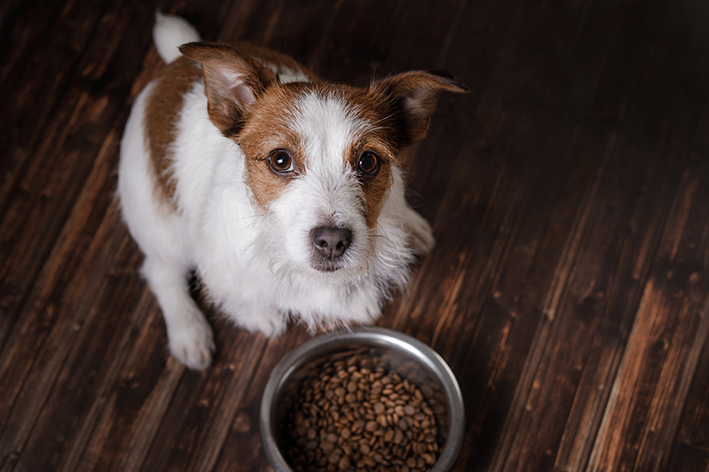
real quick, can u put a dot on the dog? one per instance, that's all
(282, 192)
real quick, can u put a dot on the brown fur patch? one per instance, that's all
(233, 80)
(161, 116)
(267, 129)
(381, 139)
(412, 97)
(376, 187)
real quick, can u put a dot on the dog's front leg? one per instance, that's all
(189, 335)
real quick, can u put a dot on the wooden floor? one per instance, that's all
(569, 195)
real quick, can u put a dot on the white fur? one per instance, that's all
(169, 33)
(255, 265)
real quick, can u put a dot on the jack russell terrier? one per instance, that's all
(283, 192)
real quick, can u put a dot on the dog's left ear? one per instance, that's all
(232, 80)
(414, 95)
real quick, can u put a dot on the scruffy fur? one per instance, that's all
(235, 161)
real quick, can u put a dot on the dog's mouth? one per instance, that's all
(327, 266)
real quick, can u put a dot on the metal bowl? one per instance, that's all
(408, 357)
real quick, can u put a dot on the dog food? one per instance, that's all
(354, 415)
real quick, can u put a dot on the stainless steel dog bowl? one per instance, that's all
(400, 353)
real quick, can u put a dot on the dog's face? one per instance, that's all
(319, 157)
(319, 166)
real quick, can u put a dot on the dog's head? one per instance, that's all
(319, 157)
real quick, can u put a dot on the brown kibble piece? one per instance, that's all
(327, 446)
(382, 420)
(371, 426)
(398, 436)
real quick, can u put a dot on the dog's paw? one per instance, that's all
(271, 323)
(192, 342)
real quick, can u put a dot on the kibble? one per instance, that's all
(354, 415)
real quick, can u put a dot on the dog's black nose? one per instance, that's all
(331, 243)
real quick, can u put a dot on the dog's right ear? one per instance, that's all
(232, 81)
(413, 96)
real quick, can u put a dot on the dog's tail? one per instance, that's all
(169, 33)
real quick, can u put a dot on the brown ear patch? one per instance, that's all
(162, 113)
(233, 81)
(412, 97)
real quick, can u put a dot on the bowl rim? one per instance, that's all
(429, 357)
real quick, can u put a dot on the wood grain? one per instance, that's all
(568, 193)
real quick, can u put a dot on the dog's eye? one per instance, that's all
(368, 163)
(280, 161)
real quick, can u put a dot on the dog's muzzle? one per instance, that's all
(329, 246)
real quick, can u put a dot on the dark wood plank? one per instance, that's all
(578, 353)
(76, 147)
(686, 458)
(568, 195)
(670, 330)
(460, 305)
(652, 385)
(64, 146)
(38, 54)
(240, 443)
(691, 449)
(439, 160)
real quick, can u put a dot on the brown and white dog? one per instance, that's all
(283, 192)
